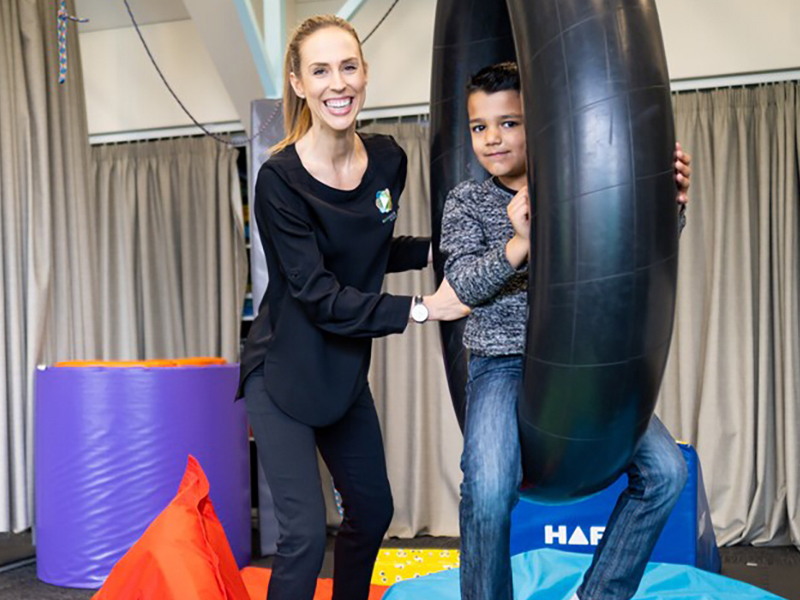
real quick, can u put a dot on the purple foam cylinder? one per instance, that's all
(111, 448)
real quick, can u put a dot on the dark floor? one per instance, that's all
(774, 569)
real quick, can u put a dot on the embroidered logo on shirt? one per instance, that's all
(383, 200)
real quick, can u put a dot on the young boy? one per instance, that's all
(485, 234)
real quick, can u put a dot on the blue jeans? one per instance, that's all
(492, 474)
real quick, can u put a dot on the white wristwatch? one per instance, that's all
(419, 312)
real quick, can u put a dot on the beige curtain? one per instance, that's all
(420, 431)
(47, 274)
(152, 264)
(171, 249)
(731, 384)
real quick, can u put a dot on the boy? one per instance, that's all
(485, 234)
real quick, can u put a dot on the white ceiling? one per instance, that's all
(112, 14)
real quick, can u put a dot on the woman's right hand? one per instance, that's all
(444, 305)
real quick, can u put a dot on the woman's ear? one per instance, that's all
(297, 85)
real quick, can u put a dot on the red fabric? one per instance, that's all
(183, 555)
(257, 581)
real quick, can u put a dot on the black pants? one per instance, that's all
(352, 448)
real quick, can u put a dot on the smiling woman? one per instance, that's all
(334, 35)
(338, 87)
(326, 203)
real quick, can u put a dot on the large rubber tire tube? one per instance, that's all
(466, 39)
(600, 140)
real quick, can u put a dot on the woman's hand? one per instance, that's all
(444, 305)
(519, 213)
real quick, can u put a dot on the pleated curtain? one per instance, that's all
(171, 249)
(127, 252)
(48, 273)
(731, 384)
(420, 431)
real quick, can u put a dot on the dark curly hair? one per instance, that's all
(495, 78)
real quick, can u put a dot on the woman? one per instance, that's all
(326, 202)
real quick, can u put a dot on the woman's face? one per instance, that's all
(332, 78)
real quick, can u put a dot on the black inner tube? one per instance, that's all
(600, 140)
(466, 39)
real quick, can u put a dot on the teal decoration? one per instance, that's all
(555, 575)
(63, 18)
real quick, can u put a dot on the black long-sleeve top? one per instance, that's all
(327, 253)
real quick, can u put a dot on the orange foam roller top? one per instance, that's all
(198, 361)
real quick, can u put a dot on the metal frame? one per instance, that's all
(271, 79)
(728, 81)
(161, 133)
(350, 8)
(275, 39)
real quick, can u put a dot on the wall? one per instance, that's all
(707, 38)
(124, 92)
(703, 38)
(399, 54)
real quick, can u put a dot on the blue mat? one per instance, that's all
(555, 575)
(687, 538)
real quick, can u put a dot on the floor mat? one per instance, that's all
(555, 575)
(399, 564)
(256, 581)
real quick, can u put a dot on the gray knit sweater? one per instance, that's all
(475, 231)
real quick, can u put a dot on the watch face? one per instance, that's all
(419, 313)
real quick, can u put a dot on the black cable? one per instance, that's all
(374, 29)
(210, 134)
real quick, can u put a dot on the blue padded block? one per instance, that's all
(688, 537)
(555, 575)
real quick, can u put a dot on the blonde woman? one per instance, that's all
(326, 203)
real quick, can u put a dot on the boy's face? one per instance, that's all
(498, 132)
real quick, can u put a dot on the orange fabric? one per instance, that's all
(183, 555)
(115, 363)
(197, 361)
(257, 580)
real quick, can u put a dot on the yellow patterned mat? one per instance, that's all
(398, 564)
